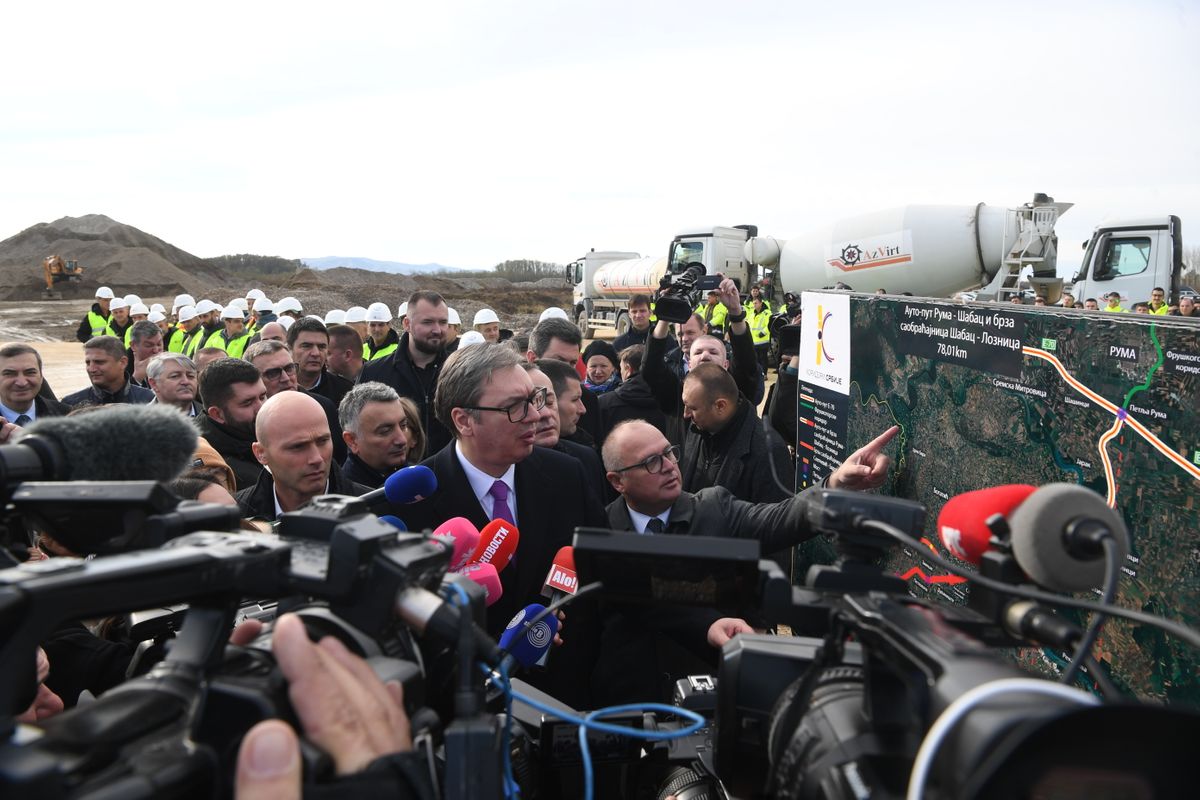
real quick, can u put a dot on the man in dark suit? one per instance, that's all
(642, 649)
(493, 471)
(21, 399)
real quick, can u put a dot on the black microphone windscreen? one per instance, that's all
(122, 443)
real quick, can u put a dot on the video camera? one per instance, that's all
(678, 293)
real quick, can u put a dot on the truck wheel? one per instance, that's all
(581, 319)
(623, 324)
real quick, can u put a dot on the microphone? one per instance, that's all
(120, 443)
(561, 579)
(486, 576)
(526, 646)
(405, 485)
(962, 524)
(394, 521)
(497, 544)
(463, 536)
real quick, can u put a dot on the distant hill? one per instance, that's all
(395, 267)
(111, 254)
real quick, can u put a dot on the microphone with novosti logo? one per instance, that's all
(497, 544)
(463, 537)
(486, 576)
(405, 485)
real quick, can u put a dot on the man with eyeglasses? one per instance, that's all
(274, 360)
(494, 471)
(638, 649)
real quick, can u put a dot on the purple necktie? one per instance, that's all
(500, 506)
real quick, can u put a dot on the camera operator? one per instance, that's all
(640, 649)
(345, 710)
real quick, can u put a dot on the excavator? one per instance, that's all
(57, 270)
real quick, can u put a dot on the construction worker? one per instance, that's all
(159, 318)
(713, 313)
(119, 323)
(1158, 302)
(756, 294)
(1113, 302)
(382, 339)
(356, 317)
(96, 320)
(234, 337)
(189, 321)
(138, 312)
(487, 323)
(210, 320)
(758, 317)
(289, 306)
(453, 329)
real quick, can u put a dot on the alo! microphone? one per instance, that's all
(962, 524)
(463, 536)
(561, 579)
(527, 644)
(405, 485)
(497, 544)
(486, 576)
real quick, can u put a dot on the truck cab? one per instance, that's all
(719, 249)
(1132, 258)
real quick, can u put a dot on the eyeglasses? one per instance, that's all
(654, 463)
(275, 373)
(518, 411)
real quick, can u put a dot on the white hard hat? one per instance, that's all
(286, 322)
(104, 293)
(159, 308)
(182, 300)
(205, 306)
(379, 312)
(263, 304)
(187, 313)
(288, 304)
(255, 294)
(335, 317)
(554, 313)
(231, 312)
(130, 299)
(317, 317)
(138, 308)
(117, 302)
(402, 311)
(452, 317)
(156, 317)
(356, 314)
(485, 315)
(469, 338)
(238, 302)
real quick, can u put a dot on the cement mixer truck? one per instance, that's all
(930, 251)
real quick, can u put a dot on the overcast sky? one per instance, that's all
(467, 133)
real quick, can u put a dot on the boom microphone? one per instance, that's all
(405, 485)
(497, 544)
(962, 525)
(464, 537)
(486, 576)
(120, 443)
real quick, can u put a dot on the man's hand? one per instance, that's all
(342, 705)
(46, 703)
(867, 467)
(728, 292)
(725, 629)
(662, 329)
(9, 431)
(139, 369)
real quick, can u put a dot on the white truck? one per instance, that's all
(930, 251)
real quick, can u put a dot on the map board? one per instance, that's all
(990, 394)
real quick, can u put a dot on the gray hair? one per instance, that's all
(158, 364)
(263, 347)
(465, 375)
(355, 400)
(143, 330)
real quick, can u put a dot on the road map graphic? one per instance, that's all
(986, 396)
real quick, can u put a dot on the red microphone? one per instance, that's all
(486, 576)
(497, 544)
(962, 524)
(561, 579)
(462, 536)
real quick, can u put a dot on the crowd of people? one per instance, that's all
(1157, 304)
(655, 433)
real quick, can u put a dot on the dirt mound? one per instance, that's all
(111, 254)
